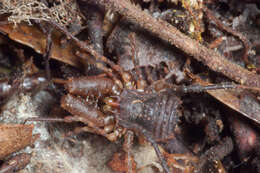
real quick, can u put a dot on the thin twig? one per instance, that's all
(169, 33)
(237, 34)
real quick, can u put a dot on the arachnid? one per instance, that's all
(126, 104)
(153, 115)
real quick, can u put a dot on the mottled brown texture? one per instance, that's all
(14, 137)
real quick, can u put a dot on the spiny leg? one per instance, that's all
(158, 152)
(88, 48)
(199, 88)
(141, 83)
(229, 85)
(95, 54)
(162, 84)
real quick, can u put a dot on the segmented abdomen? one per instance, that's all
(157, 113)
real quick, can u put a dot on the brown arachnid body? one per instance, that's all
(153, 115)
(127, 105)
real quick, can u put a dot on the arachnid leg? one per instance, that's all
(149, 138)
(140, 83)
(199, 88)
(91, 85)
(161, 85)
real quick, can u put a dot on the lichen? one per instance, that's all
(27, 10)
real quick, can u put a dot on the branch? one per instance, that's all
(169, 33)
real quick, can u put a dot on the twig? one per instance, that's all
(231, 31)
(169, 33)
